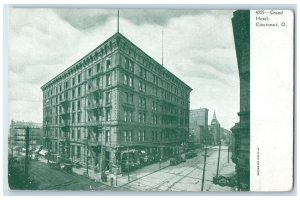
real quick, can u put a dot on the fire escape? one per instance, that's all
(65, 126)
(95, 114)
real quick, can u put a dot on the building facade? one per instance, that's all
(241, 130)
(198, 126)
(114, 100)
(17, 136)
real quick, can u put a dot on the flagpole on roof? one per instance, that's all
(162, 48)
(118, 24)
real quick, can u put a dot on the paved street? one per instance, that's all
(53, 179)
(186, 176)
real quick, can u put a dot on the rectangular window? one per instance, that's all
(107, 136)
(98, 67)
(144, 87)
(115, 74)
(98, 82)
(129, 136)
(78, 152)
(108, 97)
(79, 117)
(153, 135)
(108, 79)
(66, 95)
(79, 78)
(56, 146)
(131, 98)
(73, 81)
(78, 134)
(73, 93)
(125, 116)
(131, 66)
(141, 71)
(130, 81)
(73, 134)
(72, 151)
(79, 91)
(108, 115)
(125, 136)
(144, 117)
(90, 72)
(143, 135)
(130, 116)
(142, 102)
(125, 79)
(139, 136)
(140, 85)
(126, 63)
(78, 105)
(126, 97)
(108, 62)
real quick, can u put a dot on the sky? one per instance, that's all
(198, 48)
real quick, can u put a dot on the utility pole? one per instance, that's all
(26, 167)
(203, 173)
(219, 159)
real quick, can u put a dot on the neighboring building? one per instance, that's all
(241, 130)
(215, 129)
(199, 126)
(226, 136)
(17, 136)
(114, 100)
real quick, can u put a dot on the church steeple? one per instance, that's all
(214, 119)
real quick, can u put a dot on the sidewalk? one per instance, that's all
(227, 170)
(122, 179)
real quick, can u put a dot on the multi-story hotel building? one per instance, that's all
(113, 99)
